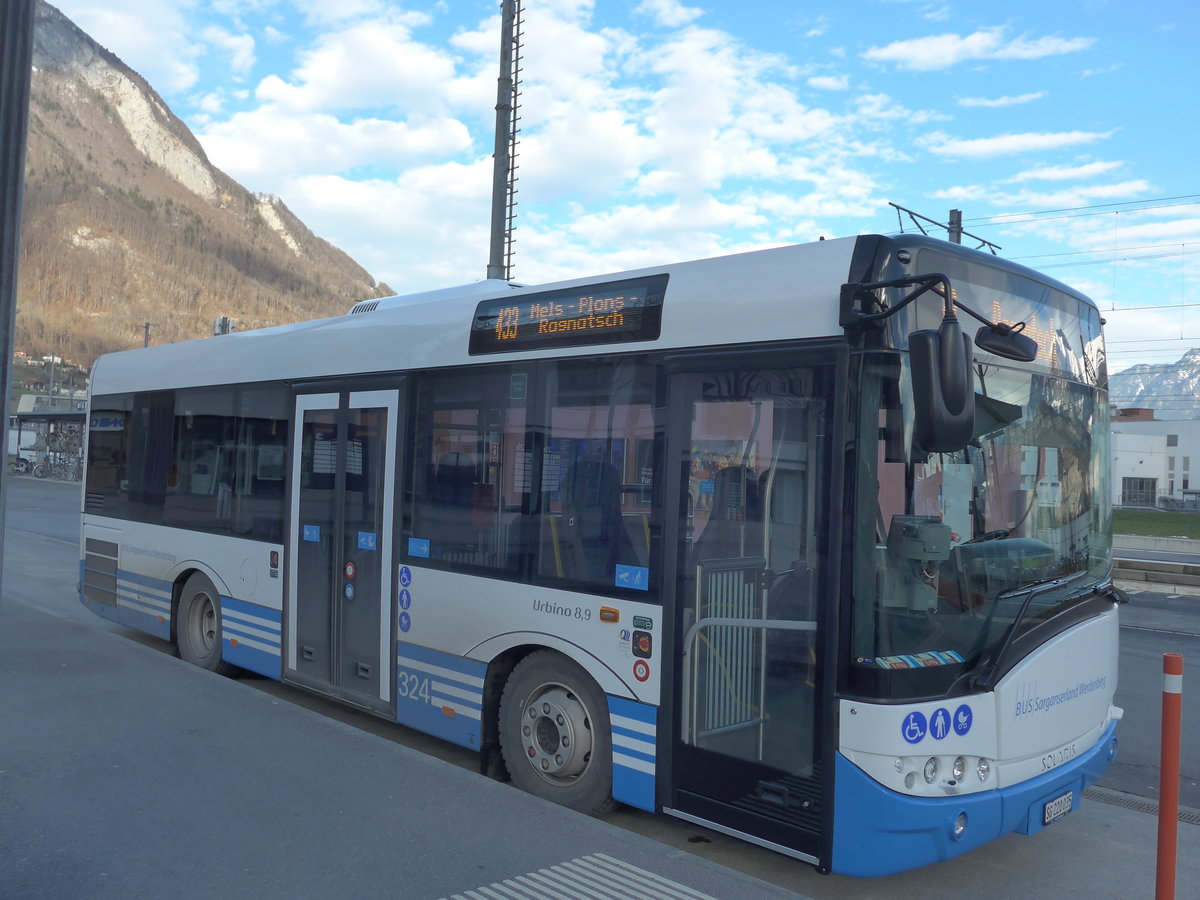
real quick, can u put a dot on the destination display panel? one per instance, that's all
(609, 313)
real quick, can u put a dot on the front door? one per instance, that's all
(756, 454)
(340, 546)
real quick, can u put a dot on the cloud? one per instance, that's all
(239, 46)
(1008, 144)
(998, 102)
(1060, 173)
(942, 51)
(829, 82)
(668, 13)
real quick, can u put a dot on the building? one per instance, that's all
(1151, 460)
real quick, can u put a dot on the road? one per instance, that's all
(41, 569)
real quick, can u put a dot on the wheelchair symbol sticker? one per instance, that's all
(913, 727)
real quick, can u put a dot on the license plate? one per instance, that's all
(1057, 808)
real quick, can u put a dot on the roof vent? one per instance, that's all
(365, 307)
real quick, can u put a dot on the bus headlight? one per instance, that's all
(931, 770)
(959, 768)
(984, 769)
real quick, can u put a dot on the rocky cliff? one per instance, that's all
(127, 224)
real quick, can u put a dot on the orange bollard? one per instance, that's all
(1168, 774)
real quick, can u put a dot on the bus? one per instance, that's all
(768, 542)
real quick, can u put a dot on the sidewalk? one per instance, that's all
(125, 773)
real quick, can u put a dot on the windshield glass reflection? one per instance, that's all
(947, 543)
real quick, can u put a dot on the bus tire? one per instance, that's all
(555, 735)
(198, 626)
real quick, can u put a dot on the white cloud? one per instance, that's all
(266, 147)
(367, 65)
(1059, 173)
(999, 102)
(668, 13)
(942, 51)
(829, 82)
(239, 46)
(1008, 144)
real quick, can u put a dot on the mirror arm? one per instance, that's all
(923, 284)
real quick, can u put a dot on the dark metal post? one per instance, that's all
(504, 107)
(955, 226)
(16, 58)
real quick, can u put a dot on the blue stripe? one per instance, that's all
(266, 660)
(632, 785)
(460, 664)
(636, 754)
(144, 580)
(631, 709)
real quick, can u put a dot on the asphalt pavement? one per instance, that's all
(125, 773)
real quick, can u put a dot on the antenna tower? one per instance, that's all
(504, 172)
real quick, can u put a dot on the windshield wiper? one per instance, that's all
(985, 682)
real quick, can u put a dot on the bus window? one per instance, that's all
(599, 474)
(228, 463)
(469, 475)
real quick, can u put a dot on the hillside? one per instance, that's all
(126, 222)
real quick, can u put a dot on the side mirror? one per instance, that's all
(943, 387)
(1007, 341)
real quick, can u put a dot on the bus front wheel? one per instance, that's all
(198, 626)
(554, 732)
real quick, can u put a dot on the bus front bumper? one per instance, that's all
(877, 831)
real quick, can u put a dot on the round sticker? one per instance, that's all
(405, 599)
(405, 576)
(349, 591)
(405, 621)
(962, 720)
(641, 670)
(913, 727)
(349, 570)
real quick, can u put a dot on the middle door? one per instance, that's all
(340, 591)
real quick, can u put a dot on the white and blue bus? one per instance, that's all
(765, 542)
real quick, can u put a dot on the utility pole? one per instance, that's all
(146, 326)
(503, 170)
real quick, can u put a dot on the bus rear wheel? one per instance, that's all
(198, 626)
(554, 733)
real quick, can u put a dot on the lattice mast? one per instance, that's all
(504, 171)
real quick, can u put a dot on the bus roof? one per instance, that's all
(784, 293)
(764, 295)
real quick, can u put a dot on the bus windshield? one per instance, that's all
(947, 544)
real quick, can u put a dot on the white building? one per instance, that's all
(1152, 459)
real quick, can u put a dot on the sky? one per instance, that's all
(655, 131)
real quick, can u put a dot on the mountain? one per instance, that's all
(127, 222)
(1171, 389)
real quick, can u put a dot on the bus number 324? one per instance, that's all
(412, 687)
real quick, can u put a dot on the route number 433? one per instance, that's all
(412, 686)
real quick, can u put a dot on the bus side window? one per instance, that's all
(600, 475)
(470, 469)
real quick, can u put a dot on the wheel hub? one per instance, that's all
(556, 733)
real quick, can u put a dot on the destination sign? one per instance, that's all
(613, 312)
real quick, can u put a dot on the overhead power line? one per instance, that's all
(1095, 210)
